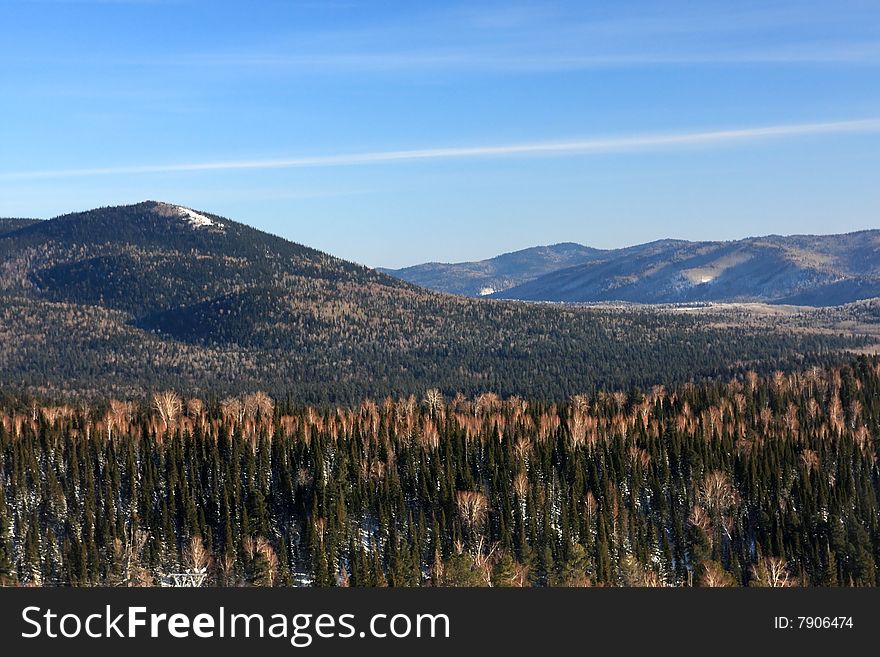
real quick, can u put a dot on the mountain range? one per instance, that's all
(121, 300)
(486, 277)
(804, 270)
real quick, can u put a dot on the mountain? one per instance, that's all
(800, 269)
(122, 300)
(496, 274)
(8, 225)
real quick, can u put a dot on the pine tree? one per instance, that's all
(7, 566)
(505, 573)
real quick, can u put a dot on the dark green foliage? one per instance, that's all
(462, 570)
(7, 562)
(10, 225)
(755, 481)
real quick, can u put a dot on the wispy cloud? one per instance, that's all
(595, 146)
(461, 60)
(867, 54)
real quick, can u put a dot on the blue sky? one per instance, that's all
(392, 133)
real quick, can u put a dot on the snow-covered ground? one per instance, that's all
(195, 219)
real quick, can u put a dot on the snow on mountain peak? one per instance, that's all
(194, 219)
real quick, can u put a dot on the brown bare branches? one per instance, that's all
(772, 572)
(472, 507)
(169, 406)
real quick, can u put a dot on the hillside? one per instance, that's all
(502, 272)
(8, 225)
(127, 299)
(801, 269)
(804, 270)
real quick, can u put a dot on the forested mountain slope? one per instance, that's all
(8, 225)
(131, 298)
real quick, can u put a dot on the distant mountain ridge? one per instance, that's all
(811, 270)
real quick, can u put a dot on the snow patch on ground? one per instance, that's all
(708, 272)
(197, 220)
(192, 217)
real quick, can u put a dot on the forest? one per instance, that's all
(757, 480)
(118, 302)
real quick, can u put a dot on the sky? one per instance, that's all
(394, 133)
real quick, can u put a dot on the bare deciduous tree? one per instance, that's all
(700, 519)
(486, 403)
(835, 415)
(232, 410)
(169, 406)
(772, 572)
(577, 430)
(258, 403)
(521, 485)
(430, 437)
(473, 507)
(433, 401)
(128, 553)
(810, 460)
(717, 492)
(118, 416)
(522, 448)
(715, 576)
(195, 409)
(197, 556)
